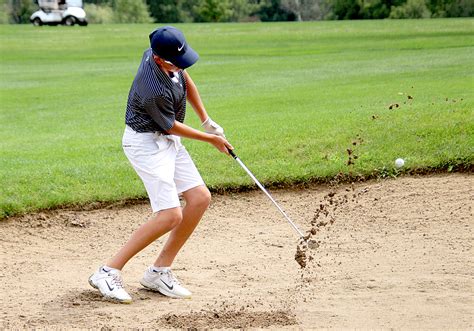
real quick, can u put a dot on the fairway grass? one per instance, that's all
(292, 98)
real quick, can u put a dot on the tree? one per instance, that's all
(346, 9)
(293, 6)
(99, 14)
(131, 11)
(164, 11)
(212, 11)
(460, 8)
(4, 12)
(241, 10)
(377, 9)
(411, 9)
(20, 10)
(307, 10)
(451, 8)
(271, 10)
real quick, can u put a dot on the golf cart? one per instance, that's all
(54, 12)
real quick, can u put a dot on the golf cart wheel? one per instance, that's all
(69, 21)
(37, 22)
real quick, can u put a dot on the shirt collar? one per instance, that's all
(164, 77)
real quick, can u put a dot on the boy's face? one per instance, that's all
(166, 65)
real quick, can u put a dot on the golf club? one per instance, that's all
(266, 193)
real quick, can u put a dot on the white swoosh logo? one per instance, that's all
(180, 48)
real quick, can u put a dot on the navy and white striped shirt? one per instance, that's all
(155, 99)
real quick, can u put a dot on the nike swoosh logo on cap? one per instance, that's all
(180, 48)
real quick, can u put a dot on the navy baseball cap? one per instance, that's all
(169, 44)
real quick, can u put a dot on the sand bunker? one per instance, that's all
(387, 254)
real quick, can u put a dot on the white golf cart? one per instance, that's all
(54, 12)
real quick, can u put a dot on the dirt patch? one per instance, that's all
(52, 218)
(386, 254)
(228, 319)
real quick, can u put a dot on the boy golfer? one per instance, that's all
(152, 143)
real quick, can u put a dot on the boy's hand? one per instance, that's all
(221, 144)
(212, 127)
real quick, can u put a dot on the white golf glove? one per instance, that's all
(212, 127)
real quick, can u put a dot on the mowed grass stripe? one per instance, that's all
(292, 98)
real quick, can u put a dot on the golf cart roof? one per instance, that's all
(54, 4)
(74, 3)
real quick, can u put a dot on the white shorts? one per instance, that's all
(163, 165)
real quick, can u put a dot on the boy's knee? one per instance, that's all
(202, 199)
(206, 197)
(172, 217)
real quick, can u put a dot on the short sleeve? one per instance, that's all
(161, 109)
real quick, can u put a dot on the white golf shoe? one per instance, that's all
(164, 282)
(110, 285)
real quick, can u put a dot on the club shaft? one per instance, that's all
(266, 193)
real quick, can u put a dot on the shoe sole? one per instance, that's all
(91, 283)
(156, 288)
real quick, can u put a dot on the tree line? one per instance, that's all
(186, 11)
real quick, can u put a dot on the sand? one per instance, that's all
(388, 254)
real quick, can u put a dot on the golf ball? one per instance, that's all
(399, 163)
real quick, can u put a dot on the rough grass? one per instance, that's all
(292, 97)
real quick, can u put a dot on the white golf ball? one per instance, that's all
(399, 163)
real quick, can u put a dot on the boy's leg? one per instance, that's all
(197, 201)
(108, 279)
(159, 224)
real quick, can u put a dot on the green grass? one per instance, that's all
(292, 98)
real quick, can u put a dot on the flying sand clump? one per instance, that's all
(324, 215)
(300, 256)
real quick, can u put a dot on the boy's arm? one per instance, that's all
(182, 130)
(195, 100)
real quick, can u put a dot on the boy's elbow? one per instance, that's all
(173, 129)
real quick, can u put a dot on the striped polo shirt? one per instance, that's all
(155, 99)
